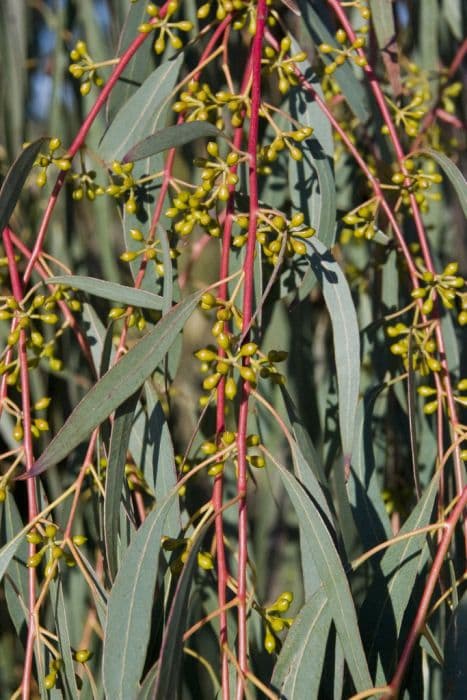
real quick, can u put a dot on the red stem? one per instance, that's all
(422, 236)
(80, 138)
(248, 295)
(17, 290)
(421, 615)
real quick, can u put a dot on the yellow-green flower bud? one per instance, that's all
(205, 561)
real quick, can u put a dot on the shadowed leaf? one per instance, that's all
(171, 137)
(15, 179)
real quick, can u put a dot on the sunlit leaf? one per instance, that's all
(129, 607)
(453, 173)
(129, 296)
(298, 669)
(346, 336)
(141, 112)
(120, 382)
(332, 576)
(119, 441)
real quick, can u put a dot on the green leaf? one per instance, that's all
(140, 66)
(161, 456)
(15, 179)
(298, 669)
(363, 488)
(95, 334)
(171, 137)
(8, 551)
(387, 601)
(346, 336)
(13, 37)
(120, 382)
(141, 113)
(382, 17)
(115, 473)
(146, 691)
(129, 607)
(67, 673)
(455, 669)
(452, 12)
(455, 176)
(428, 24)
(129, 296)
(16, 583)
(332, 576)
(172, 643)
(312, 188)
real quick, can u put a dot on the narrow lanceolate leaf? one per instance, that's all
(115, 473)
(332, 575)
(363, 487)
(120, 382)
(455, 176)
(9, 550)
(67, 673)
(16, 583)
(111, 290)
(297, 673)
(140, 65)
(346, 336)
(162, 456)
(171, 137)
(172, 643)
(15, 179)
(311, 179)
(382, 17)
(387, 601)
(142, 110)
(129, 607)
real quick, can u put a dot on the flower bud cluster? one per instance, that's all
(40, 309)
(417, 182)
(274, 620)
(229, 361)
(281, 63)
(150, 251)
(423, 348)
(191, 209)
(244, 12)
(362, 220)
(164, 26)
(124, 185)
(409, 115)
(446, 286)
(276, 233)
(285, 140)
(52, 549)
(84, 68)
(44, 160)
(345, 51)
(170, 544)
(84, 185)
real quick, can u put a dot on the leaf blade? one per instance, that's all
(120, 382)
(112, 291)
(15, 179)
(346, 336)
(171, 137)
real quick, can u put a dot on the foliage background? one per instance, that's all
(39, 98)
